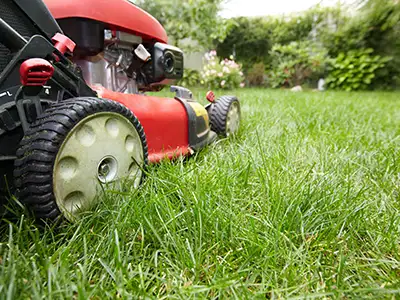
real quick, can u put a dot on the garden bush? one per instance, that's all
(251, 39)
(355, 70)
(376, 25)
(296, 64)
(196, 20)
(254, 41)
(191, 78)
(248, 39)
(221, 74)
(256, 75)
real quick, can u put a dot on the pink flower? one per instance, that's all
(226, 70)
(220, 75)
(242, 85)
(213, 53)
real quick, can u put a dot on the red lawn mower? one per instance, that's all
(73, 113)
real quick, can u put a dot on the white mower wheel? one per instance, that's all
(73, 149)
(225, 116)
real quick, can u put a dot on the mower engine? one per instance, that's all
(124, 65)
(123, 52)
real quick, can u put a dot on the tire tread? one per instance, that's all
(219, 114)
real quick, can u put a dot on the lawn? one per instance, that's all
(304, 202)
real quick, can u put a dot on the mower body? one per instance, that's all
(105, 38)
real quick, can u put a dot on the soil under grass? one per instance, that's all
(303, 203)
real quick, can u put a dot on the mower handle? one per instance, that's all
(11, 38)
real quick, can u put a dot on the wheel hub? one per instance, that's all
(233, 119)
(107, 170)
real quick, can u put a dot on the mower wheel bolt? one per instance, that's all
(104, 169)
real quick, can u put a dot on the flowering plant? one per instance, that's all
(221, 74)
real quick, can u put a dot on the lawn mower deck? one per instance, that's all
(174, 126)
(73, 111)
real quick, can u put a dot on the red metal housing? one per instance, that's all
(165, 122)
(117, 14)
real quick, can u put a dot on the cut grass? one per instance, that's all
(303, 203)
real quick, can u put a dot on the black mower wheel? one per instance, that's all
(225, 116)
(74, 148)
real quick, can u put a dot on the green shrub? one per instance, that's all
(191, 78)
(248, 40)
(296, 64)
(375, 25)
(221, 74)
(197, 20)
(256, 75)
(251, 39)
(355, 70)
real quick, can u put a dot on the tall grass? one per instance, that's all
(303, 203)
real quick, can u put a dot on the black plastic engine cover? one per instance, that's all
(167, 64)
(88, 35)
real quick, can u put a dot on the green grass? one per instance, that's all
(304, 203)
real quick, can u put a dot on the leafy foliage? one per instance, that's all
(295, 64)
(251, 39)
(196, 20)
(248, 40)
(221, 74)
(376, 25)
(256, 75)
(255, 41)
(191, 78)
(355, 70)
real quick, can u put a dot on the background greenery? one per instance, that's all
(310, 45)
(191, 19)
(373, 31)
